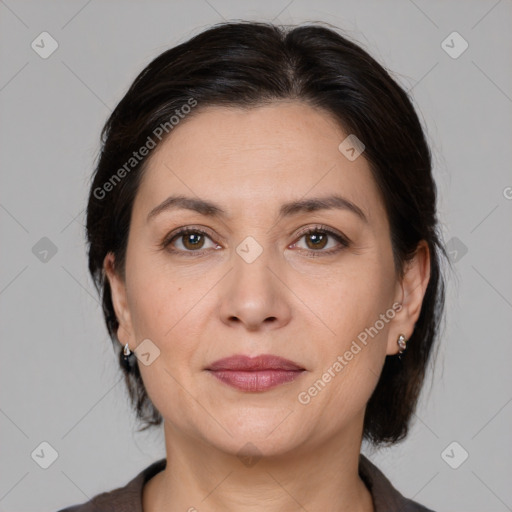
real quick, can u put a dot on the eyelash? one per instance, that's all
(315, 229)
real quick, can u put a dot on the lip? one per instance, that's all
(248, 364)
(255, 374)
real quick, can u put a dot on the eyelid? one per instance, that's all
(322, 227)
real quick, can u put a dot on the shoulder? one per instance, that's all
(123, 499)
(385, 497)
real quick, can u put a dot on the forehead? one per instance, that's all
(252, 159)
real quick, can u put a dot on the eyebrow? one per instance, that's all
(211, 209)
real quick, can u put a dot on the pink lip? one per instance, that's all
(255, 373)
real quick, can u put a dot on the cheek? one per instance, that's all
(163, 312)
(349, 368)
(353, 296)
(356, 303)
(168, 307)
(158, 298)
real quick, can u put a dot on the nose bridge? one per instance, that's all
(253, 294)
(251, 260)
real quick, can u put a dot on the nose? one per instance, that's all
(254, 295)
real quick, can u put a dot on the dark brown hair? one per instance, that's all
(248, 64)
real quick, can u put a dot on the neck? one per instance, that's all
(200, 478)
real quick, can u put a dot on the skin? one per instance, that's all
(198, 309)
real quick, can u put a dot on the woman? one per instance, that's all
(262, 228)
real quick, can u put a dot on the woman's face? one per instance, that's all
(254, 284)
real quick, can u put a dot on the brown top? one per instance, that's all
(129, 498)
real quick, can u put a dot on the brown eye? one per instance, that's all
(318, 240)
(188, 241)
(193, 241)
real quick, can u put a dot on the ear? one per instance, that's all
(125, 332)
(411, 289)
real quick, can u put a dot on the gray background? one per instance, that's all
(59, 379)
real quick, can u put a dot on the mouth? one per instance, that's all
(255, 374)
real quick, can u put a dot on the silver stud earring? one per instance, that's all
(128, 358)
(402, 343)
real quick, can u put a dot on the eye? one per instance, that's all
(317, 239)
(190, 240)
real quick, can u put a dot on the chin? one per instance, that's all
(254, 433)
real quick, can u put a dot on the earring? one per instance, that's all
(127, 358)
(402, 343)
